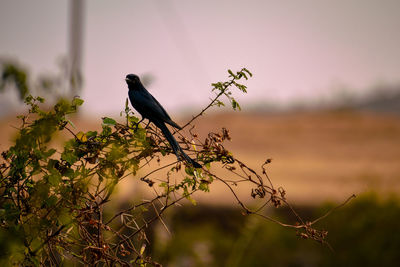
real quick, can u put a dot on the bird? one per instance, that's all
(149, 108)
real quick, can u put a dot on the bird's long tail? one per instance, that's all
(174, 144)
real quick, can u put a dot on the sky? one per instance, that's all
(308, 49)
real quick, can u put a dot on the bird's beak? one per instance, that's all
(127, 80)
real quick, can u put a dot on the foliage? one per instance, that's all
(55, 204)
(12, 73)
(371, 236)
(362, 234)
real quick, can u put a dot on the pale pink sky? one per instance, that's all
(296, 49)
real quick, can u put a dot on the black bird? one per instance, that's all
(152, 110)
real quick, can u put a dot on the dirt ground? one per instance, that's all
(316, 156)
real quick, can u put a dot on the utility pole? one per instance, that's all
(76, 14)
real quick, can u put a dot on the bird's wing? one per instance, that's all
(160, 108)
(166, 117)
(150, 108)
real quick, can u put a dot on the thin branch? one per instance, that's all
(333, 209)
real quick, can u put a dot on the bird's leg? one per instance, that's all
(147, 125)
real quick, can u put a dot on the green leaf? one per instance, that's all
(109, 121)
(81, 137)
(219, 103)
(189, 170)
(28, 99)
(77, 101)
(72, 124)
(54, 179)
(133, 119)
(69, 173)
(91, 134)
(217, 86)
(115, 153)
(49, 152)
(65, 218)
(187, 195)
(127, 109)
(106, 130)
(51, 164)
(51, 201)
(69, 156)
(204, 187)
(235, 105)
(207, 165)
(246, 70)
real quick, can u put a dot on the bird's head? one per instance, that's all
(132, 79)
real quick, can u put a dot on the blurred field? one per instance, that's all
(317, 156)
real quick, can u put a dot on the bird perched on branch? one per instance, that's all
(152, 110)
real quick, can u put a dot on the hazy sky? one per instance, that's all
(296, 49)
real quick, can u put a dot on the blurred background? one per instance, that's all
(324, 104)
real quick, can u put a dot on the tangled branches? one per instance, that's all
(58, 204)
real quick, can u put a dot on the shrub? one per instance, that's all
(55, 204)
